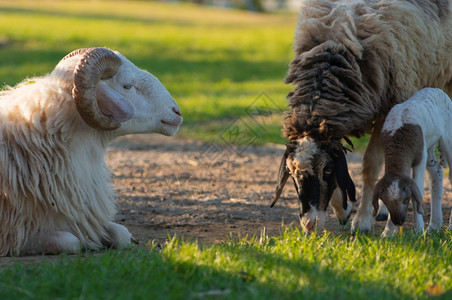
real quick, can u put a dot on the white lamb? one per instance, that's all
(410, 134)
(56, 194)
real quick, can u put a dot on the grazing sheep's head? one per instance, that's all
(395, 192)
(110, 93)
(317, 169)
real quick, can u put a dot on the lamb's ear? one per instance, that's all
(416, 197)
(343, 179)
(112, 104)
(283, 175)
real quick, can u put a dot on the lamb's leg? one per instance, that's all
(390, 229)
(418, 177)
(120, 237)
(445, 146)
(372, 162)
(435, 173)
(450, 220)
(336, 203)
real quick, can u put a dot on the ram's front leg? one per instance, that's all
(53, 243)
(372, 162)
(120, 236)
(336, 203)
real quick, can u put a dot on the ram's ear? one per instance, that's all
(112, 104)
(283, 175)
(343, 179)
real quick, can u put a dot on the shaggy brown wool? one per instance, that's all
(354, 61)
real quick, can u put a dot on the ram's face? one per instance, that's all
(155, 108)
(112, 94)
(312, 171)
(316, 169)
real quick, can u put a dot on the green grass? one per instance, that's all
(215, 62)
(290, 266)
(225, 68)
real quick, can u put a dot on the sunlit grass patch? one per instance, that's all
(286, 266)
(326, 265)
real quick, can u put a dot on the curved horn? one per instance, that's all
(416, 197)
(75, 52)
(283, 175)
(95, 64)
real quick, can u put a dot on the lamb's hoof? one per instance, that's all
(134, 240)
(419, 231)
(431, 228)
(381, 217)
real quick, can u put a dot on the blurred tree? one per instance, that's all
(254, 5)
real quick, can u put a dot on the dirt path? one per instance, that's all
(207, 192)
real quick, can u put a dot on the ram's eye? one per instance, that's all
(127, 86)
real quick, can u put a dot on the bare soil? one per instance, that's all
(209, 192)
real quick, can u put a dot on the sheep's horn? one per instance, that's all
(94, 65)
(283, 175)
(75, 52)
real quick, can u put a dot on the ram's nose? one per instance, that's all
(310, 225)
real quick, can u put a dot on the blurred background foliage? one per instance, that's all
(222, 61)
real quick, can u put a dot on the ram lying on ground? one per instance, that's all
(353, 61)
(56, 194)
(410, 134)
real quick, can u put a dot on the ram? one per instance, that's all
(56, 194)
(353, 61)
